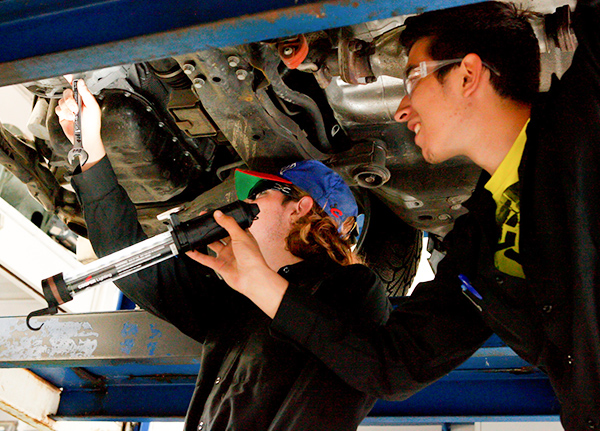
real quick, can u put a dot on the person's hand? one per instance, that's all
(241, 264)
(238, 256)
(90, 121)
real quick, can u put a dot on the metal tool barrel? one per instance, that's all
(60, 288)
(182, 237)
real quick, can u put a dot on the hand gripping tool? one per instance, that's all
(77, 150)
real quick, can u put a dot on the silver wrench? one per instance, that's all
(77, 150)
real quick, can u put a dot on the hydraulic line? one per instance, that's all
(300, 99)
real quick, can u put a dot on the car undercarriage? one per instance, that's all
(176, 127)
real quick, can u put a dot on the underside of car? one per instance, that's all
(175, 128)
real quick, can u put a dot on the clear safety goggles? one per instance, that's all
(427, 68)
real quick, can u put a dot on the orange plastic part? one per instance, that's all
(294, 51)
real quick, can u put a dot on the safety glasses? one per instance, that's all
(264, 185)
(425, 68)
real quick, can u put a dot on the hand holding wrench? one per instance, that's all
(77, 150)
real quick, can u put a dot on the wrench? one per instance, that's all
(77, 150)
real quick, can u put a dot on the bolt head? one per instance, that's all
(355, 45)
(198, 82)
(188, 68)
(233, 61)
(241, 74)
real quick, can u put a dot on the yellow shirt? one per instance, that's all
(504, 186)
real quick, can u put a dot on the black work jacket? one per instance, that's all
(250, 378)
(551, 319)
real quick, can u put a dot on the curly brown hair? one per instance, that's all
(316, 234)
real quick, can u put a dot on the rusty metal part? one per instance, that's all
(363, 164)
(353, 59)
(261, 134)
(189, 114)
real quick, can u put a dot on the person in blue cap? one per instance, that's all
(251, 377)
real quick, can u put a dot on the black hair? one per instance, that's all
(499, 33)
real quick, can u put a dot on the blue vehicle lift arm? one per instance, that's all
(131, 366)
(48, 38)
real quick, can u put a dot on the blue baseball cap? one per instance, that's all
(324, 185)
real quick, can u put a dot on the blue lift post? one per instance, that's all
(130, 366)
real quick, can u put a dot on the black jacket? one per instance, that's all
(251, 378)
(551, 319)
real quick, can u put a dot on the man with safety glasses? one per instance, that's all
(524, 262)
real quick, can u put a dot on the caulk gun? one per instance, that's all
(181, 237)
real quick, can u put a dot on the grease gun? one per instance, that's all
(180, 238)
